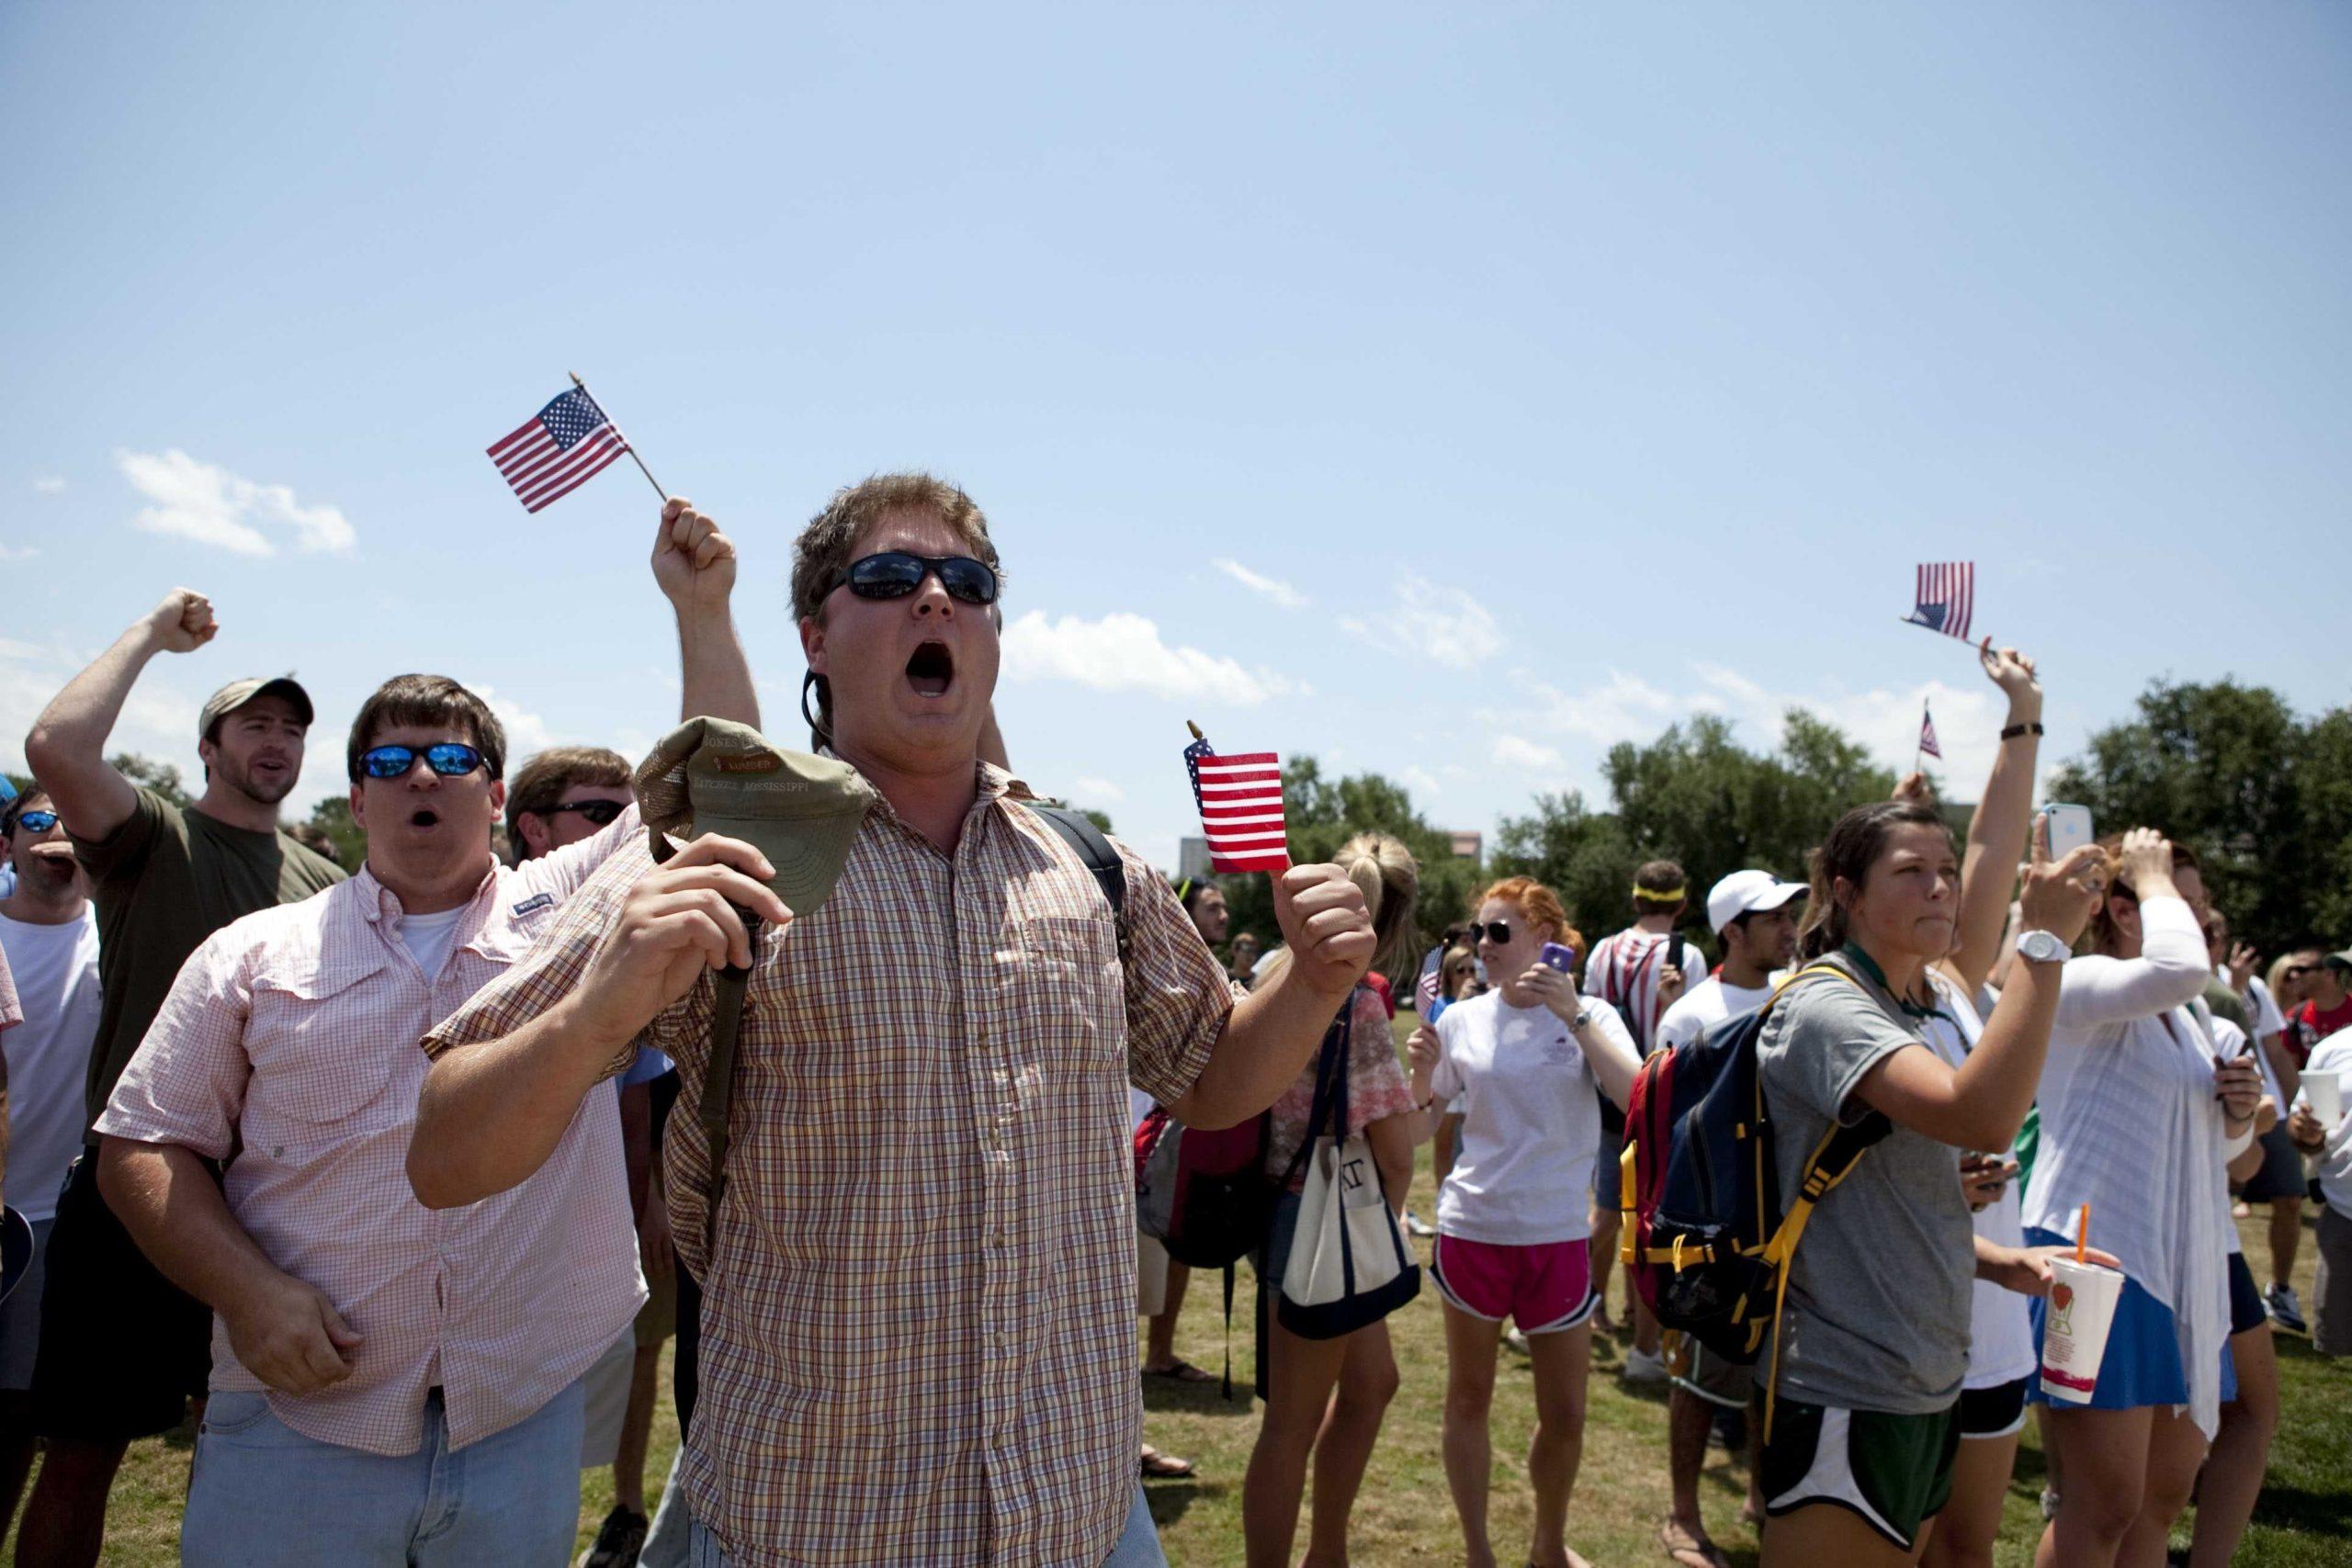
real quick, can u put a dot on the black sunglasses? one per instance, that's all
(597, 811)
(450, 758)
(37, 822)
(2292, 971)
(1496, 931)
(894, 574)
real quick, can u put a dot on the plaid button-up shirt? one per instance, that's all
(289, 1037)
(918, 1329)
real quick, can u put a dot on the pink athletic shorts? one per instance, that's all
(1544, 1289)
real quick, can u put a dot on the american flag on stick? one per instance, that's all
(1928, 745)
(1946, 598)
(561, 448)
(1241, 799)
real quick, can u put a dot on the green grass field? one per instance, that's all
(1405, 1516)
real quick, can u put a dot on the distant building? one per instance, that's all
(1469, 844)
(1191, 858)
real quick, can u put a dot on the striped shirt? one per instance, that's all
(918, 1329)
(287, 1047)
(1623, 972)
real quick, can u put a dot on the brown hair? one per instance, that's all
(2102, 935)
(1852, 848)
(1659, 876)
(16, 809)
(822, 554)
(426, 701)
(542, 782)
(1539, 903)
(1458, 961)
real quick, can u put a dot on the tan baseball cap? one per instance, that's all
(237, 694)
(712, 775)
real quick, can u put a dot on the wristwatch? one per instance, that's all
(2042, 947)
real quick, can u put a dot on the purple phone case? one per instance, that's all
(1558, 957)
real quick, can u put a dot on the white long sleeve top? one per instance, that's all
(2129, 1124)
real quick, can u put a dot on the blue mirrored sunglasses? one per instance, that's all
(37, 822)
(450, 760)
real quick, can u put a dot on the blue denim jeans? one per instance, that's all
(264, 1494)
(1139, 1546)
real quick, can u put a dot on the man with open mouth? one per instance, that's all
(389, 1384)
(121, 1351)
(918, 1338)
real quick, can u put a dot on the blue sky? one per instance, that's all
(1449, 391)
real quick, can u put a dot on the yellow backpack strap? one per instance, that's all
(1629, 1197)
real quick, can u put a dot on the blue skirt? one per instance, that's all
(2142, 1365)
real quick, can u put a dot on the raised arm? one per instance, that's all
(2173, 968)
(1997, 832)
(695, 564)
(66, 750)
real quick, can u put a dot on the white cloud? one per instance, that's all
(50, 484)
(1445, 625)
(1272, 588)
(1420, 780)
(1884, 720)
(206, 503)
(1625, 707)
(1123, 652)
(1094, 789)
(18, 552)
(1515, 752)
(157, 719)
(526, 732)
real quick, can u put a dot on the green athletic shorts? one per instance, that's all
(1894, 1471)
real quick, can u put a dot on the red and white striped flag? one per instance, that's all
(1240, 799)
(559, 449)
(1946, 597)
(1928, 735)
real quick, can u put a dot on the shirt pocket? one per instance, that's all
(1060, 982)
(320, 1060)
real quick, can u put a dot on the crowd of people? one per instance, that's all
(813, 1062)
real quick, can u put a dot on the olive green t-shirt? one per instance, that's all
(162, 882)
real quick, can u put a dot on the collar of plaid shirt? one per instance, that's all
(918, 1322)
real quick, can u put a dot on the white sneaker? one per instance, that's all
(2285, 1310)
(1416, 1225)
(1516, 1340)
(1644, 1369)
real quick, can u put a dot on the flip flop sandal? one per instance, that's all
(1181, 1371)
(1156, 1466)
(1707, 1556)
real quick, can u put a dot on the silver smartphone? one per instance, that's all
(2070, 828)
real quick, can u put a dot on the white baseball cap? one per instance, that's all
(1747, 893)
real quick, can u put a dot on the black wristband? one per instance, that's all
(2013, 731)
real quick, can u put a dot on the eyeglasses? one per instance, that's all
(1496, 931)
(894, 574)
(597, 811)
(37, 822)
(2292, 971)
(450, 758)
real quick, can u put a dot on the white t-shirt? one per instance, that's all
(1530, 1122)
(1705, 1005)
(2000, 1325)
(2333, 1054)
(427, 938)
(56, 971)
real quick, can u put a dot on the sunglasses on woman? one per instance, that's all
(597, 811)
(1496, 931)
(37, 822)
(894, 574)
(450, 758)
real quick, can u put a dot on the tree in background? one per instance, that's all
(161, 777)
(2264, 796)
(332, 817)
(1696, 796)
(1322, 815)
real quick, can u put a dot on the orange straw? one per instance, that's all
(2083, 1237)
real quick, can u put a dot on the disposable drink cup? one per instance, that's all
(2075, 1325)
(2326, 1092)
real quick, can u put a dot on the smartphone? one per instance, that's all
(1557, 957)
(2070, 828)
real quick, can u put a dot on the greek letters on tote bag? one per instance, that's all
(1348, 1266)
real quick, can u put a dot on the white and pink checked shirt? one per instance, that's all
(289, 1040)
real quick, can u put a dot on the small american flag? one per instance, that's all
(561, 448)
(1241, 799)
(1928, 735)
(1947, 597)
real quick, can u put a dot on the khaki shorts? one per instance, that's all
(1151, 1276)
(1694, 1367)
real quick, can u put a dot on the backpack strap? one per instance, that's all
(1110, 871)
